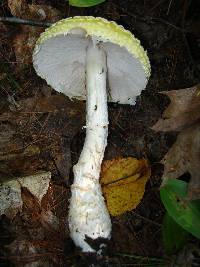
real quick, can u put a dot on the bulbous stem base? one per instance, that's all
(88, 215)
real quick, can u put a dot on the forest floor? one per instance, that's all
(41, 130)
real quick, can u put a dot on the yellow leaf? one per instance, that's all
(123, 183)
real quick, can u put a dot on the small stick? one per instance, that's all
(15, 20)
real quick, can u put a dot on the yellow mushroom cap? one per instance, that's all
(59, 58)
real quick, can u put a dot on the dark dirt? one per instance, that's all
(46, 134)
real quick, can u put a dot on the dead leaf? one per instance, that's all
(123, 183)
(183, 157)
(188, 256)
(6, 134)
(40, 230)
(24, 42)
(72, 111)
(18, 8)
(62, 160)
(54, 103)
(21, 9)
(30, 201)
(182, 111)
(12, 195)
(38, 135)
(32, 210)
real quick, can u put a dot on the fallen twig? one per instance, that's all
(14, 20)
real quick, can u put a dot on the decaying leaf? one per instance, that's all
(187, 257)
(10, 191)
(182, 111)
(39, 231)
(6, 134)
(38, 135)
(24, 42)
(183, 115)
(183, 157)
(18, 8)
(21, 9)
(123, 183)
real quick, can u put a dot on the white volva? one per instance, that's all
(88, 215)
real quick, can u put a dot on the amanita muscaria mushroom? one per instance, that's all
(97, 60)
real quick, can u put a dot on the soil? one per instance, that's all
(42, 130)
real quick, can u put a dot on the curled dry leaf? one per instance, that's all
(182, 111)
(183, 115)
(123, 183)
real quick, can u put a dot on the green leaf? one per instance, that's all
(174, 236)
(186, 213)
(85, 3)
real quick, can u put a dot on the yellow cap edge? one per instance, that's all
(99, 27)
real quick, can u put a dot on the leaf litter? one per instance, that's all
(36, 129)
(24, 41)
(11, 192)
(183, 114)
(182, 111)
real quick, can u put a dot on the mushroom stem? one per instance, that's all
(88, 215)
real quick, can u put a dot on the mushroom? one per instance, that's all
(95, 60)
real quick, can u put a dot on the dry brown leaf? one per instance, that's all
(40, 228)
(123, 183)
(18, 8)
(183, 115)
(21, 9)
(74, 110)
(30, 201)
(24, 42)
(38, 135)
(182, 111)
(11, 195)
(183, 157)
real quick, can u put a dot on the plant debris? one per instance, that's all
(11, 192)
(35, 122)
(25, 40)
(123, 182)
(182, 111)
(183, 157)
